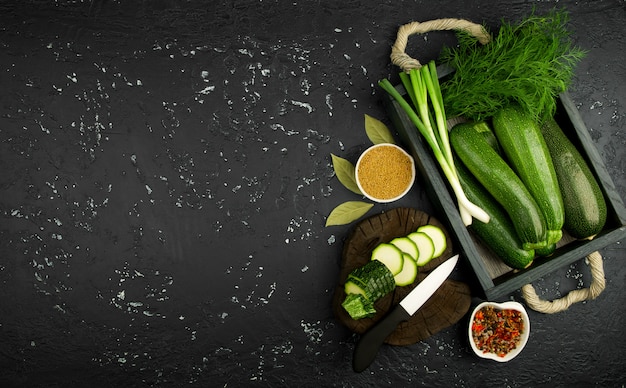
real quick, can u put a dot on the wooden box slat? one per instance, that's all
(496, 279)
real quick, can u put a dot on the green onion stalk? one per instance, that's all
(422, 86)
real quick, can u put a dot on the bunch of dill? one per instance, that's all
(528, 63)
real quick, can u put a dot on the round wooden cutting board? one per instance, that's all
(444, 308)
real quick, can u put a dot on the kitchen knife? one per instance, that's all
(367, 347)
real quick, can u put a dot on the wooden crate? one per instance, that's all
(496, 279)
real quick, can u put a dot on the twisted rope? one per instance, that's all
(550, 307)
(406, 63)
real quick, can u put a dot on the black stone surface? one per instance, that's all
(165, 179)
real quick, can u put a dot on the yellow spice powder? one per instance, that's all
(385, 172)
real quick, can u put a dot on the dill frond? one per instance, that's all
(528, 63)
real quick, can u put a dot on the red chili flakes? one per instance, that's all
(497, 331)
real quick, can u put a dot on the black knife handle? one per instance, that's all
(366, 349)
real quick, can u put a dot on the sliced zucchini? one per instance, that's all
(437, 236)
(406, 245)
(389, 255)
(358, 306)
(364, 286)
(425, 247)
(353, 287)
(409, 272)
(373, 281)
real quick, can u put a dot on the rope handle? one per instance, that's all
(550, 307)
(406, 63)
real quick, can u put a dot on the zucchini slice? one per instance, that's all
(425, 247)
(437, 236)
(406, 245)
(354, 287)
(389, 255)
(409, 272)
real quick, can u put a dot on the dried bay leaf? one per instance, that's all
(347, 212)
(345, 173)
(377, 131)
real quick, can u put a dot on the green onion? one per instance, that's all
(430, 120)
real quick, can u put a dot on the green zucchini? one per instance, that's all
(370, 282)
(520, 138)
(546, 251)
(374, 278)
(585, 206)
(485, 131)
(502, 183)
(498, 234)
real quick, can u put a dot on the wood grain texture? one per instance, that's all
(447, 305)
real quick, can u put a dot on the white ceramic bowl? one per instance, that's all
(524, 335)
(388, 175)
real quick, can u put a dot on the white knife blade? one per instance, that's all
(367, 347)
(424, 290)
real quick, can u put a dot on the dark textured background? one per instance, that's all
(165, 178)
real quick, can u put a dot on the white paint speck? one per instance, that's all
(207, 90)
(305, 105)
(46, 130)
(597, 104)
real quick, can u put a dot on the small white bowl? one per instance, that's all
(524, 335)
(387, 174)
